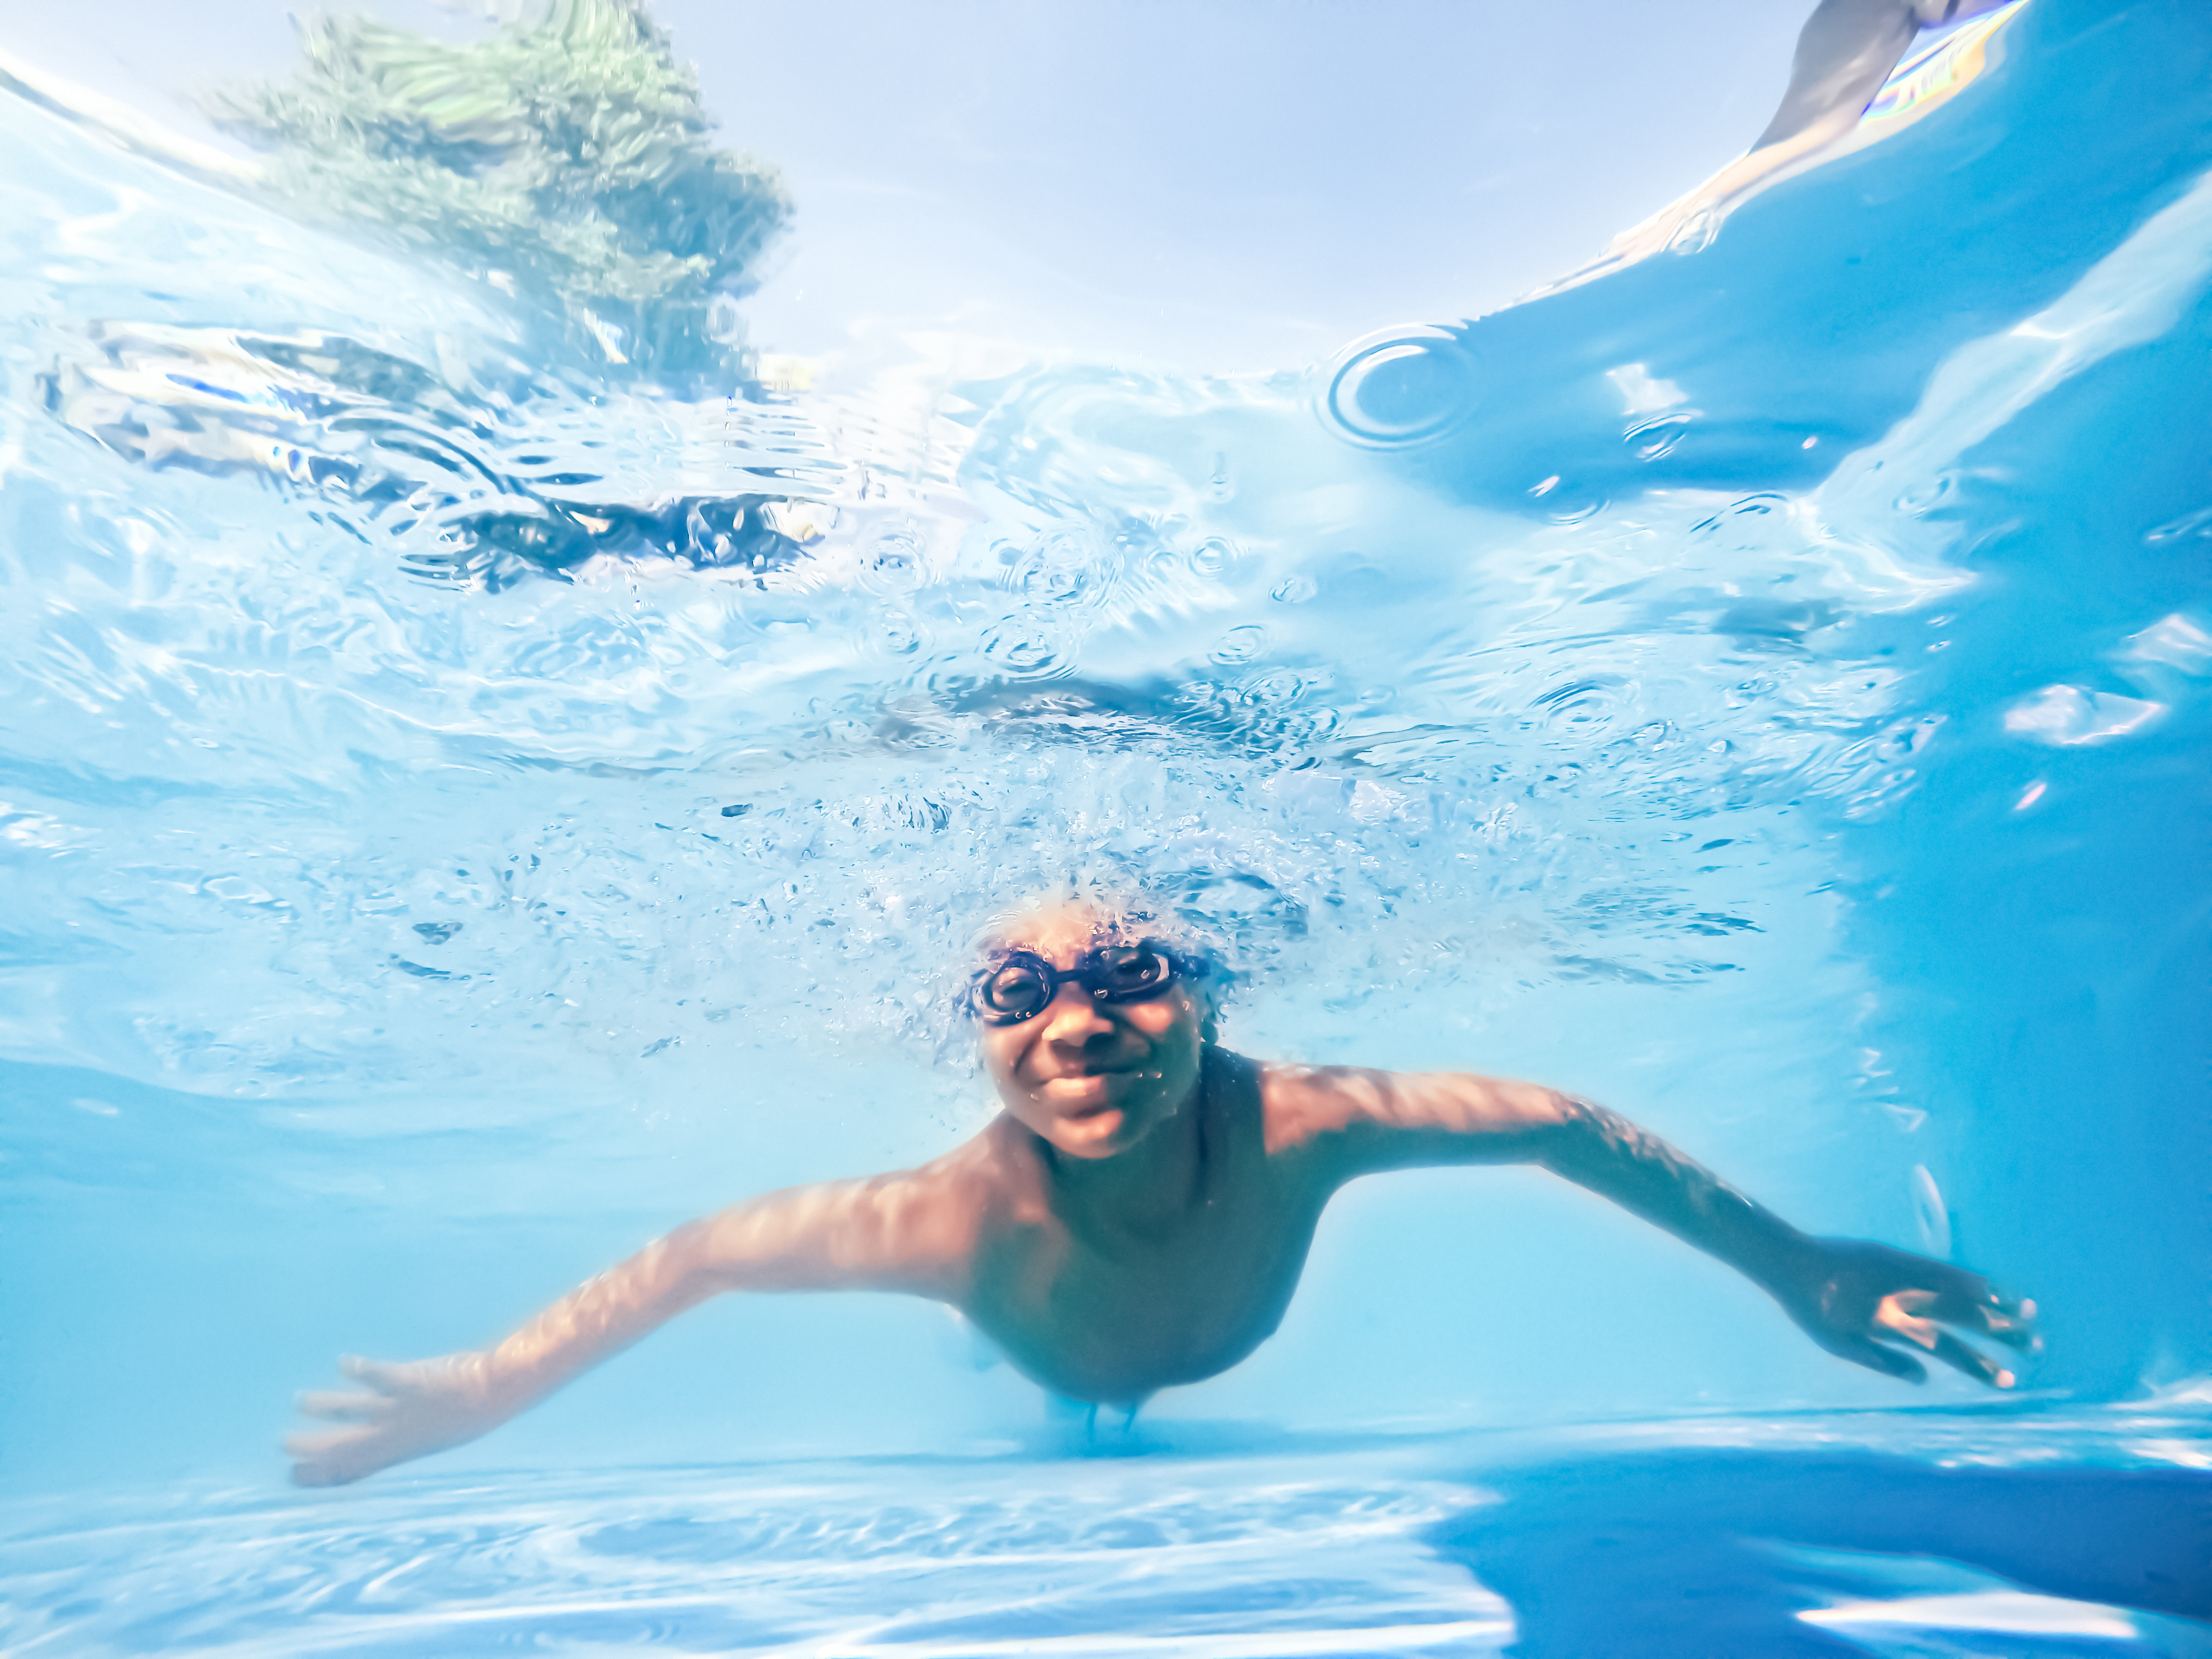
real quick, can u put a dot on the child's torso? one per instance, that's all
(1099, 1312)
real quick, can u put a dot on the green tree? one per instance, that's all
(570, 153)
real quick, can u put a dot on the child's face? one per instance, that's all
(1092, 1078)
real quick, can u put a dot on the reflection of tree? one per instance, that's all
(567, 155)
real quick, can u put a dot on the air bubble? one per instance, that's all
(1401, 387)
(2197, 523)
(893, 561)
(1696, 232)
(897, 635)
(1212, 556)
(1921, 497)
(1241, 644)
(1580, 706)
(1067, 568)
(1220, 486)
(1654, 438)
(1574, 507)
(1272, 691)
(1020, 647)
(1565, 501)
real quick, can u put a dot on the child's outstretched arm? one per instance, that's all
(892, 1233)
(1846, 50)
(1853, 1298)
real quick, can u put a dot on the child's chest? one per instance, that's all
(1113, 1314)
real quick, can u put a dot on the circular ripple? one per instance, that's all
(1212, 556)
(1241, 645)
(1025, 648)
(893, 561)
(1067, 568)
(1401, 387)
(1582, 706)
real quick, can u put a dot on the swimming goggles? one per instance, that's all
(1022, 984)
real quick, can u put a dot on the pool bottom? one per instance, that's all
(1924, 1534)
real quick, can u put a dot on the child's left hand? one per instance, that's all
(1855, 1299)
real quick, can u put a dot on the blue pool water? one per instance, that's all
(474, 795)
(1808, 1534)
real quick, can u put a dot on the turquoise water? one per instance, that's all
(468, 807)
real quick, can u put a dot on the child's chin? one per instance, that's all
(1097, 1134)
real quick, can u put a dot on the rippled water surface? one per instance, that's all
(556, 696)
(1897, 1538)
(473, 793)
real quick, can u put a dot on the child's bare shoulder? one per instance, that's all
(1304, 1106)
(993, 1179)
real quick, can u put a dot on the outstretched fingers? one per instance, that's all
(1865, 1351)
(320, 1469)
(317, 1443)
(327, 1458)
(341, 1407)
(2011, 1323)
(330, 1457)
(1913, 1316)
(380, 1374)
(1974, 1362)
(1978, 1310)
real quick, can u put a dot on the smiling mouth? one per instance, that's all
(1086, 1080)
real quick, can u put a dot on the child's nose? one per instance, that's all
(1073, 1015)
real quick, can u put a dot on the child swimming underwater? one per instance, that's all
(1139, 1214)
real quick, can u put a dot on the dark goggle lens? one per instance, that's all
(1019, 989)
(1129, 969)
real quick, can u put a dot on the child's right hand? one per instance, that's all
(409, 1410)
